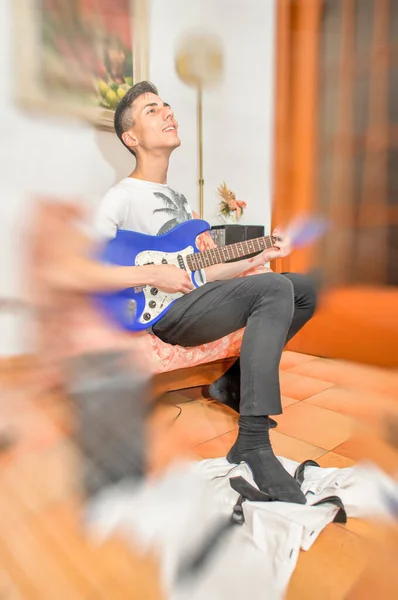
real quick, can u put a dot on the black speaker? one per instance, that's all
(231, 234)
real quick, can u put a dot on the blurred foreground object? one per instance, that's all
(336, 154)
(104, 374)
(109, 404)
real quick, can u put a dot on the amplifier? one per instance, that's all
(231, 234)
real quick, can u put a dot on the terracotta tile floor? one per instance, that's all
(335, 412)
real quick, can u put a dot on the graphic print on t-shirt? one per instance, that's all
(176, 207)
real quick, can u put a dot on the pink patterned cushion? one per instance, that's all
(168, 358)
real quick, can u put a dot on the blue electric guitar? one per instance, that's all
(136, 309)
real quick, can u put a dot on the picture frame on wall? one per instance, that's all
(78, 58)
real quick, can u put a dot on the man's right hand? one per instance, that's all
(168, 278)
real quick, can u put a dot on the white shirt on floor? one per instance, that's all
(178, 512)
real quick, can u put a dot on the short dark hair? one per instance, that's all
(123, 114)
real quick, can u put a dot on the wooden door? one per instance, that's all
(336, 154)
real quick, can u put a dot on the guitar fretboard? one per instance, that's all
(223, 254)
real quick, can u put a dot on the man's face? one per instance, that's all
(155, 127)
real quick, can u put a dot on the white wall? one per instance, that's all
(238, 114)
(44, 155)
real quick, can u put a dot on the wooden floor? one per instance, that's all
(334, 412)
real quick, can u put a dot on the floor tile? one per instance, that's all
(212, 417)
(300, 387)
(33, 430)
(226, 409)
(315, 425)
(286, 401)
(194, 393)
(332, 459)
(174, 434)
(218, 446)
(181, 397)
(201, 420)
(366, 529)
(366, 447)
(322, 402)
(380, 578)
(166, 450)
(184, 396)
(293, 359)
(283, 445)
(289, 447)
(369, 407)
(49, 475)
(329, 569)
(351, 374)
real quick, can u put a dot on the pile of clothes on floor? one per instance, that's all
(218, 536)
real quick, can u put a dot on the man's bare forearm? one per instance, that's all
(87, 276)
(228, 270)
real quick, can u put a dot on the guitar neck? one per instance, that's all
(223, 254)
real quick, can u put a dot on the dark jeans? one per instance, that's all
(273, 307)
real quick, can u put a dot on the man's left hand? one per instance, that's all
(280, 249)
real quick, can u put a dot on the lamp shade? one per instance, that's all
(199, 60)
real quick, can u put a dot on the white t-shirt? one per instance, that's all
(143, 206)
(135, 205)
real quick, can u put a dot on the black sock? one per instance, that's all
(227, 390)
(253, 433)
(253, 446)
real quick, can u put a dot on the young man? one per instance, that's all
(272, 307)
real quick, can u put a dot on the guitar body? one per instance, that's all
(136, 309)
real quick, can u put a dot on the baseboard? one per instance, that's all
(17, 362)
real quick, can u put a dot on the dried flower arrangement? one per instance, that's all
(230, 207)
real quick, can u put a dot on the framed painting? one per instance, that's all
(79, 57)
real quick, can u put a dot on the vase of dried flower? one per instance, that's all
(230, 209)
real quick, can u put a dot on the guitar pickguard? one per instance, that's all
(157, 301)
(138, 308)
